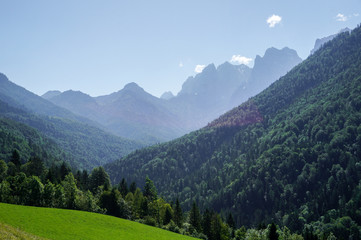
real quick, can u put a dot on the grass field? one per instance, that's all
(8, 232)
(54, 224)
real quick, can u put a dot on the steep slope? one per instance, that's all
(139, 115)
(135, 114)
(77, 102)
(206, 96)
(82, 145)
(21, 98)
(28, 142)
(291, 154)
(319, 42)
(267, 69)
(130, 112)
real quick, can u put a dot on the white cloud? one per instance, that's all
(356, 14)
(273, 20)
(238, 59)
(341, 18)
(199, 68)
(180, 64)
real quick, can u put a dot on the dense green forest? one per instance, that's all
(27, 141)
(82, 145)
(33, 184)
(290, 155)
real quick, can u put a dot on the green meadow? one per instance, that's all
(52, 223)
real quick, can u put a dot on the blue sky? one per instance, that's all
(99, 46)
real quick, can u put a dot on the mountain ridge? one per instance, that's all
(135, 114)
(84, 145)
(281, 165)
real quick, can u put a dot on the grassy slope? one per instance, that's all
(8, 232)
(69, 224)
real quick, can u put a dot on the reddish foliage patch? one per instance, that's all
(245, 114)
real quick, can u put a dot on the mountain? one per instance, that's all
(205, 96)
(290, 155)
(21, 98)
(267, 69)
(320, 42)
(26, 140)
(136, 114)
(50, 94)
(130, 112)
(82, 145)
(167, 95)
(77, 102)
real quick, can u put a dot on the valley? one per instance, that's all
(263, 148)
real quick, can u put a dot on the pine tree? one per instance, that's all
(167, 215)
(149, 189)
(133, 187)
(64, 170)
(15, 158)
(178, 214)
(230, 220)
(272, 232)
(195, 217)
(123, 188)
(206, 223)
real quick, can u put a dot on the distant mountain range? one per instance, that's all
(31, 123)
(135, 114)
(289, 155)
(130, 112)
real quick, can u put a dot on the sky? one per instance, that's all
(98, 46)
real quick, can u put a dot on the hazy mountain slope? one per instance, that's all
(290, 155)
(50, 94)
(78, 103)
(167, 95)
(22, 98)
(206, 96)
(319, 42)
(135, 114)
(26, 140)
(88, 146)
(267, 69)
(130, 112)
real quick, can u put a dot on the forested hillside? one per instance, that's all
(79, 144)
(27, 141)
(289, 155)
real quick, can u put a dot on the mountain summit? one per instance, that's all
(133, 113)
(267, 69)
(321, 41)
(289, 154)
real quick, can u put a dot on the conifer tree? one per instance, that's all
(167, 215)
(230, 220)
(272, 232)
(178, 214)
(15, 158)
(133, 187)
(123, 188)
(206, 223)
(195, 217)
(149, 189)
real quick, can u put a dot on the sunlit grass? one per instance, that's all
(70, 224)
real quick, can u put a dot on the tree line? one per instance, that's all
(33, 184)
